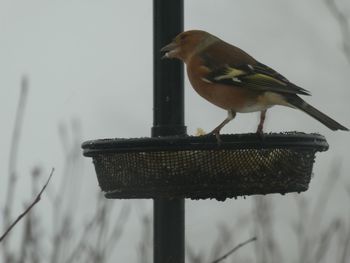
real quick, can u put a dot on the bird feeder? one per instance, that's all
(171, 166)
(198, 168)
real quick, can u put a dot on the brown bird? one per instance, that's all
(233, 80)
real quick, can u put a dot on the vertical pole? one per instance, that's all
(168, 119)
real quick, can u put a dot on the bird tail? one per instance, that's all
(299, 103)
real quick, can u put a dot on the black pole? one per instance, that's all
(168, 100)
(168, 119)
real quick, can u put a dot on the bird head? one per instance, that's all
(186, 44)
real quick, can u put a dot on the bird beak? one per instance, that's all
(169, 50)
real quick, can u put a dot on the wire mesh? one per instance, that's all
(199, 168)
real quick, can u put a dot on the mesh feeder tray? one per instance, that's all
(199, 168)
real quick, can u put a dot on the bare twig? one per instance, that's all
(346, 243)
(346, 251)
(146, 239)
(69, 186)
(234, 250)
(90, 228)
(313, 241)
(29, 238)
(324, 196)
(325, 239)
(225, 237)
(118, 230)
(343, 25)
(13, 157)
(98, 249)
(11, 185)
(300, 228)
(267, 250)
(36, 200)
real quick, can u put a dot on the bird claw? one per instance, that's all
(217, 136)
(260, 133)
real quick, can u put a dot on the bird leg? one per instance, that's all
(260, 131)
(230, 116)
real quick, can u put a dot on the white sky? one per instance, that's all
(92, 60)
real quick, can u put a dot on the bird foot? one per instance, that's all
(260, 133)
(216, 132)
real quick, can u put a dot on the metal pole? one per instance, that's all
(168, 119)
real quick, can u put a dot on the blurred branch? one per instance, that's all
(98, 249)
(225, 237)
(313, 240)
(194, 257)
(346, 247)
(118, 230)
(234, 250)
(300, 228)
(325, 194)
(101, 248)
(30, 238)
(14, 153)
(146, 240)
(325, 239)
(82, 245)
(343, 25)
(268, 249)
(346, 250)
(36, 200)
(68, 189)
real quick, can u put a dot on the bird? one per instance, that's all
(233, 80)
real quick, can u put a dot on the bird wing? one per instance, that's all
(257, 77)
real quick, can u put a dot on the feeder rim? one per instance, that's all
(299, 140)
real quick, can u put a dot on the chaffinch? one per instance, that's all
(231, 79)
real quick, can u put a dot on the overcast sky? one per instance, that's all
(92, 61)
